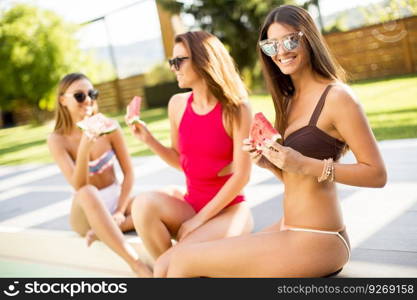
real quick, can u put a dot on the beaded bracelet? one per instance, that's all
(332, 177)
(328, 171)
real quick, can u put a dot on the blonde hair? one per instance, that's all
(63, 120)
(213, 63)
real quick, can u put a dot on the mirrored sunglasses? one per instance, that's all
(271, 46)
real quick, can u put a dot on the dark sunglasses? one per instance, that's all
(81, 96)
(176, 62)
(271, 46)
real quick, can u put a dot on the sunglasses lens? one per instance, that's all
(93, 94)
(269, 49)
(177, 63)
(174, 62)
(291, 43)
(80, 97)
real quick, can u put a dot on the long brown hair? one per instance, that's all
(322, 62)
(63, 120)
(213, 63)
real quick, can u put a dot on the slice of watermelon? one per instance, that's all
(261, 130)
(98, 125)
(133, 110)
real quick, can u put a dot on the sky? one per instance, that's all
(329, 7)
(126, 26)
(138, 22)
(131, 21)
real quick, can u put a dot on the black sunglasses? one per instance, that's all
(81, 96)
(177, 61)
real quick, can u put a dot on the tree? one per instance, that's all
(315, 3)
(389, 10)
(37, 49)
(235, 23)
(338, 25)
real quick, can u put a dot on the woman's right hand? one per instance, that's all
(256, 155)
(259, 159)
(88, 139)
(140, 131)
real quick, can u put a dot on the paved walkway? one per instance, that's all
(35, 201)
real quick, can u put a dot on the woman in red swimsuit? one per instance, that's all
(318, 117)
(208, 126)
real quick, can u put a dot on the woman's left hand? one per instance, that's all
(119, 218)
(187, 227)
(283, 157)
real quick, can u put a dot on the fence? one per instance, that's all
(369, 52)
(377, 51)
(116, 94)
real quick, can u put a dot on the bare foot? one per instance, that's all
(90, 237)
(141, 270)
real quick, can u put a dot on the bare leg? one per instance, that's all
(273, 227)
(101, 222)
(232, 221)
(157, 216)
(263, 254)
(90, 237)
(127, 225)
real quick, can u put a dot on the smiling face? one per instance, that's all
(78, 110)
(186, 76)
(289, 62)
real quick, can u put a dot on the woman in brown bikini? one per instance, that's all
(319, 118)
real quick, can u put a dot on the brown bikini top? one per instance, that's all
(312, 141)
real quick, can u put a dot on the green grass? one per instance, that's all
(390, 104)
(27, 143)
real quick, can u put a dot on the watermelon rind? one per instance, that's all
(83, 125)
(111, 129)
(133, 120)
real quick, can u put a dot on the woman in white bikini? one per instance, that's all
(318, 117)
(101, 206)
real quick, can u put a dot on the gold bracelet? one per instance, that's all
(326, 170)
(320, 178)
(331, 170)
(332, 176)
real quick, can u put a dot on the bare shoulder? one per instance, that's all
(245, 119)
(245, 106)
(176, 106)
(55, 139)
(341, 93)
(178, 100)
(246, 109)
(341, 99)
(116, 134)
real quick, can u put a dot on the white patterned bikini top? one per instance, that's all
(100, 164)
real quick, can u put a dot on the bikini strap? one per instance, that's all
(319, 106)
